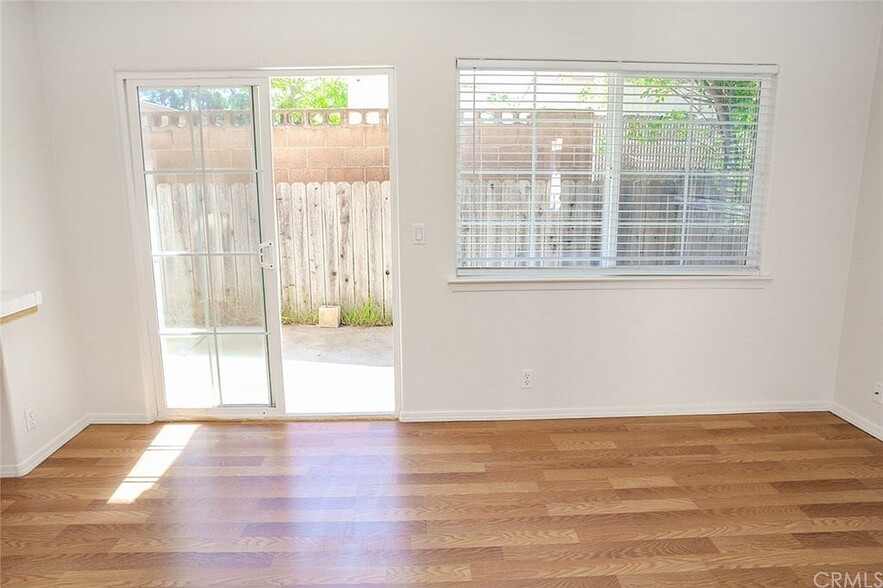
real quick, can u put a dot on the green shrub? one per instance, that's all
(367, 314)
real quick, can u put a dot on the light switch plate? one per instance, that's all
(419, 233)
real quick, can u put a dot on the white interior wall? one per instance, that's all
(7, 440)
(598, 350)
(861, 347)
(42, 366)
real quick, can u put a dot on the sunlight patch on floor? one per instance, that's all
(154, 462)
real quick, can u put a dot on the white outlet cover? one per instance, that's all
(30, 421)
(526, 379)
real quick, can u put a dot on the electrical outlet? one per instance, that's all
(878, 392)
(527, 379)
(30, 422)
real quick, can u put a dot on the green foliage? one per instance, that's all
(297, 93)
(737, 100)
(733, 102)
(649, 129)
(285, 93)
(203, 98)
(367, 314)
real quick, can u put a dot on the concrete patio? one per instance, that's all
(348, 370)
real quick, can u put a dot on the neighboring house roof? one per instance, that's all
(153, 107)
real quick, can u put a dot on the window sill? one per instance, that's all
(610, 282)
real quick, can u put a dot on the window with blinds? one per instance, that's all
(566, 167)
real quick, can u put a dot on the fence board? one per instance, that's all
(286, 244)
(195, 207)
(314, 243)
(329, 242)
(196, 215)
(192, 224)
(545, 235)
(360, 240)
(171, 274)
(299, 239)
(214, 224)
(467, 233)
(492, 194)
(523, 216)
(571, 236)
(180, 237)
(223, 225)
(244, 290)
(346, 288)
(165, 217)
(508, 234)
(254, 223)
(375, 243)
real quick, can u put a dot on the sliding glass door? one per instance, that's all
(203, 168)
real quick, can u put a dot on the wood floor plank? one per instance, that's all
(642, 482)
(827, 557)
(668, 580)
(771, 577)
(610, 549)
(589, 567)
(839, 539)
(621, 506)
(500, 538)
(764, 499)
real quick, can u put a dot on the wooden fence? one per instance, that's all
(502, 224)
(334, 248)
(222, 218)
(335, 244)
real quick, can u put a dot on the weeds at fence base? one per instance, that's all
(367, 314)
(291, 316)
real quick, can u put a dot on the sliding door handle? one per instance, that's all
(262, 260)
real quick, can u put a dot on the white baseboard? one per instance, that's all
(22, 468)
(25, 466)
(610, 411)
(858, 420)
(120, 418)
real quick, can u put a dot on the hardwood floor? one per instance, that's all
(735, 500)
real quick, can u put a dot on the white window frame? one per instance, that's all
(496, 279)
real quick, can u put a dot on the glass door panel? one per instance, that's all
(201, 169)
(188, 370)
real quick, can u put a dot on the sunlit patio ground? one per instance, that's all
(346, 370)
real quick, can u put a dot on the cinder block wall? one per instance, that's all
(356, 149)
(308, 146)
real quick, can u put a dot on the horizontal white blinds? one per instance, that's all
(606, 168)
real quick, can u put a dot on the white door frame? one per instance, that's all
(151, 356)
